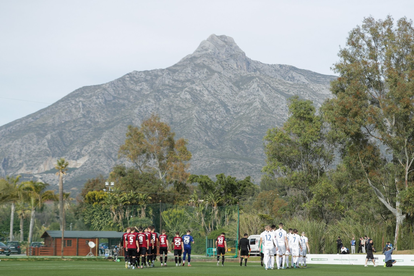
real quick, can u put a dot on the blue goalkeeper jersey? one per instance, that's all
(187, 240)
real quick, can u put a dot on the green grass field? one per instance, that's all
(104, 268)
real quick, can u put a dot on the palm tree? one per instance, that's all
(21, 209)
(143, 200)
(61, 167)
(37, 195)
(66, 204)
(9, 193)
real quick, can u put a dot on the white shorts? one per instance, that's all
(287, 253)
(281, 249)
(303, 252)
(294, 251)
(274, 251)
(268, 251)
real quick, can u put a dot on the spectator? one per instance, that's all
(370, 254)
(360, 245)
(338, 245)
(386, 247)
(353, 245)
(388, 261)
(344, 250)
(363, 243)
(366, 239)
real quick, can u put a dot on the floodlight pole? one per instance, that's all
(238, 229)
(160, 219)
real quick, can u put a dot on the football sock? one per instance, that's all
(184, 254)
(179, 260)
(138, 261)
(160, 259)
(222, 259)
(241, 260)
(245, 261)
(304, 260)
(189, 258)
(176, 259)
(143, 261)
(272, 261)
(283, 259)
(165, 261)
(218, 258)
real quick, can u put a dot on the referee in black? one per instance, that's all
(244, 249)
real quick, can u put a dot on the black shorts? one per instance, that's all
(244, 252)
(221, 250)
(370, 255)
(132, 252)
(389, 263)
(178, 252)
(142, 251)
(149, 250)
(126, 253)
(163, 250)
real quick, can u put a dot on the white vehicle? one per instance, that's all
(254, 241)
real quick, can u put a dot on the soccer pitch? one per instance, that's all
(103, 268)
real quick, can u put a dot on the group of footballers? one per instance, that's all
(281, 244)
(142, 245)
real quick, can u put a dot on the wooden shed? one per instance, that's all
(75, 242)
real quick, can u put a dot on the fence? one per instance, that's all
(232, 245)
(204, 220)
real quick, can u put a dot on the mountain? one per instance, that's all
(217, 98)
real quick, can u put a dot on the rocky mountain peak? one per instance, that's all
(221, 49)
(222, 45)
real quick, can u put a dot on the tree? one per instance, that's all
(373, 108)
(22, 208)
(226, 190)
(269, 203)
(93, 184)
(131, 179)
(37, 195)
(10, 192)
(153, 148)
(61, 167)
(298, 154)
(175, 220)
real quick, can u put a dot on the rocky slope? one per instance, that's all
(217, 98)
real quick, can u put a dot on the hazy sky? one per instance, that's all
(50, 48)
